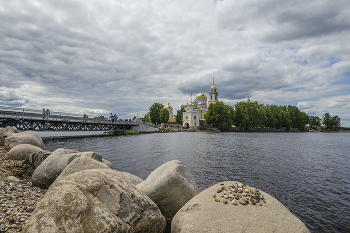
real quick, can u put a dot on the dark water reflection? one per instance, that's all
(307, 172)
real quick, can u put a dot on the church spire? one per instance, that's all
(213, 81)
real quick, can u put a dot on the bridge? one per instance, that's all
(30, 119)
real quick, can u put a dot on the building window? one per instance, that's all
(193, 109)
(194, 117)
(186, 117)
(195, 123)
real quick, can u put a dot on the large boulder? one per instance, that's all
(36, 158)
(109, 164)
(95, 200)
(8, 130)
(170, 186)
(27, 137)
(80, 164)
(61, 151)
(47, 172)
(22, 152)
(207, 213)
(132, 178)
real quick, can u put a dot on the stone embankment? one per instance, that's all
(70, 191)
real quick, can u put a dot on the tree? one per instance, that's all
(164, 116)
(154, 112)
(331, 123)
(179, 114)
(147, 118)
(220, 115)
(327, 120)
(315, 121)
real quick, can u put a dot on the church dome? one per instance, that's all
(168, 106)
(213, 88)
(201, 96)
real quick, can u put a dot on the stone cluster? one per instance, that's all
(239, 193)
(18, 197)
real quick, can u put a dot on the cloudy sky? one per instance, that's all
(102, 57)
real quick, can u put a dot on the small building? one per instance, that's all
(172, 117)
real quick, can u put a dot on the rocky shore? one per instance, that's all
(18, 197)
(71, 191)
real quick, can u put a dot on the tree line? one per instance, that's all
(249, 115)
(254, 115)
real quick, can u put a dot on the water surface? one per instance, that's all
(307, 172)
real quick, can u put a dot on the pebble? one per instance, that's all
(18, 197)
(248, 195)
(234, 202)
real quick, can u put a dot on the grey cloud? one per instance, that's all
(100, 57)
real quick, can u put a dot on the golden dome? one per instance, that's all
(168, 106)
(201, 96)
(213, 88)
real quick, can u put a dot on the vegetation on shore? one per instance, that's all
(122, 132)
(249, 115)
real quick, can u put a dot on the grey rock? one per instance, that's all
(8, 130)
(22, 152)
(80, 164)
(36, 158)
(61, 151)
(109, 164)
(27, 137)
(132, 178)
(201, 214)
(47, 172)
(95, 200)
(170, 186)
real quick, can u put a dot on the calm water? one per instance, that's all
(308, 172)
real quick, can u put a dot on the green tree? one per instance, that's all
(220, 115)
(331, 123)
(154, 112)
(327, 120)
(147, 118)
(179, 114)
(315, 121)
(164, 116)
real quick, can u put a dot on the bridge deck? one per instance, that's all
(28, 119)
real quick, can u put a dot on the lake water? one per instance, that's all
(308, 172)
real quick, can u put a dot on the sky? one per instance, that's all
(102, 57)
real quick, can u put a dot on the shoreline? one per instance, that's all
(18, 196)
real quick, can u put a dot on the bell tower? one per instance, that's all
(213, 95)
